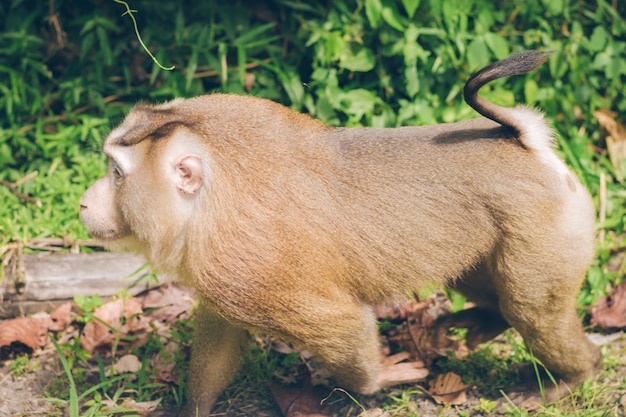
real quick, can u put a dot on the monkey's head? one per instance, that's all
(157, 174)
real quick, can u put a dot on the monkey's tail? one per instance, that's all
(520, 63)
(531, 129)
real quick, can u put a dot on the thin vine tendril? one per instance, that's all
(130, 12)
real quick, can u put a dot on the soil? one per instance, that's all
(24, 395)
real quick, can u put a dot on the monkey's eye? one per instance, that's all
(116, 171)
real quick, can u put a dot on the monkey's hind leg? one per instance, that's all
(537, 290)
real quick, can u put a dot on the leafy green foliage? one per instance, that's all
(87, 304)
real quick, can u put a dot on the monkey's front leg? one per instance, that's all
(215, 357)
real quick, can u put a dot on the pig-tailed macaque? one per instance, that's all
(295, 229)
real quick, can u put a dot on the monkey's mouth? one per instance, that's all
(103, 230)
(108, 235)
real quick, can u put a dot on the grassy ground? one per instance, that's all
(38, 386)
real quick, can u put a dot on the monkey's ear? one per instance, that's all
(188, 176)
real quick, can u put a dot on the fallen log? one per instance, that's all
(45, 280)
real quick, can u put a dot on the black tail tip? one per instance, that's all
(526, 61)
(516, 64)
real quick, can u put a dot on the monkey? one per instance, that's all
(289, 227)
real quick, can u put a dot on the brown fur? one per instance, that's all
(289, 227)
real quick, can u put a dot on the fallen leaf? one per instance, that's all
(616, 139)
(114, 320)
(61, 317)
(416, 336)
(398, 369)
(302, 401)
(25, 330)
(143, 408)
(610, 312)
(399, 357)
(163, 364)
(167, 303)
(127, 364)
(448, 389)
(606, 119)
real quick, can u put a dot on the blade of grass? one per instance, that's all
(73, 405)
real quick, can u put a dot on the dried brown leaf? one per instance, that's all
(26, 330)
(163, 364)
(607, 120)
(302, 401)
(610, 312)
(417, 337)
(61, 317)
(397, 369)
(167, 303)
(142, 408)
(127, 364)
(399, 357)
(114, 320)
(616, 139)
(448, 389)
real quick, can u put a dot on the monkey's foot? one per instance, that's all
(530, 396)
(396, 370)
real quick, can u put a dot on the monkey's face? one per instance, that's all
(154, 178)
(99, 209)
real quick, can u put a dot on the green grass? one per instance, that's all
(22, 364)
(70, 71)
